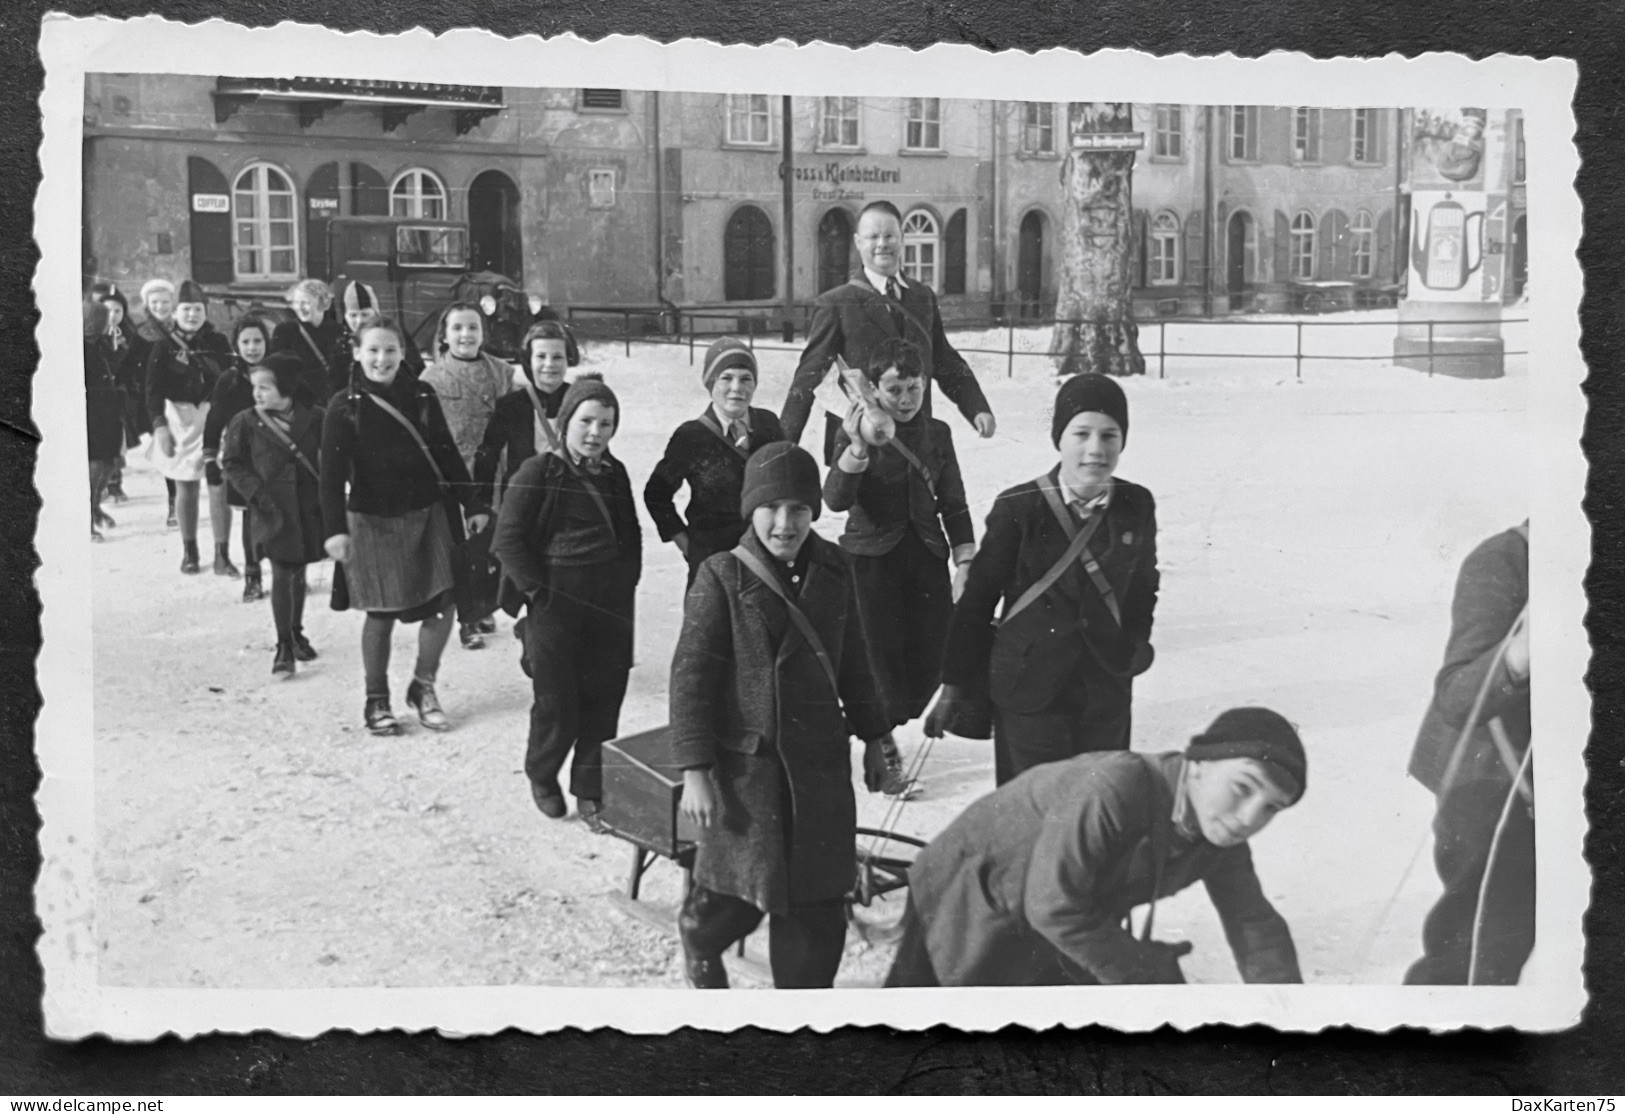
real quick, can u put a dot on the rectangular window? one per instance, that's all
(1362, 237)
(924, 124)
(430, 247)
(601, 189)
(1243, 144)
(611, 99)
(838, 122)
(1366, 146)
(1038, 128)
(1303, 247)
(1170, 142)
(1306, 135)
(750, 119)
(1518, 161)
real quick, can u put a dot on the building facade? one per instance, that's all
(615, 198)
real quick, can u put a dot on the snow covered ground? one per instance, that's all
(250, 833)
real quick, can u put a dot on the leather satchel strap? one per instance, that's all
(1080, 542)
(915, 463)
(406, 423)
(592, 490)
(1052, 496)
(797, 616)
(551, 434)
(286, 442)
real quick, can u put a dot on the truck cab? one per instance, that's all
(414, 265)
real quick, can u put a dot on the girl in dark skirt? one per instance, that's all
(104, 433)
(232, 395)
(389, 470)
(709, 454)
(569, 541)
(269, 459)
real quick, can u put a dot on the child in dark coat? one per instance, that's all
(570, 547)
(1073, 555)
(708, 453)
(907, 514)
(770, 679)
(526, 422)
(270, 459)
(391, 482)
(309, 338)
(233, 394)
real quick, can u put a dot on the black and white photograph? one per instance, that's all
(565, 526)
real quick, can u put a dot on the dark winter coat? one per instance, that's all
(285, 497)
(852, 320)
(512, 429)
(1030, 885)
(891, 496)
(104, 405)
(750, 701)
(232, 394)
(546, 502)
(714, 472)
(313, 345)
(142, 339)
(1024, 663)
(366, 449)
(1490, 592)
(184, 370)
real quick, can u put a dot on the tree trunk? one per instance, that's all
(1094, 309)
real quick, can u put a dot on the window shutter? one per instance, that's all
(211, 229)
(953, 248)
(1332, 262)
(1383, 250)
(369, 193)
(1190, 265)
(1283, 247)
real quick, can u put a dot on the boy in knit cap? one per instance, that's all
(907, 515)
(708, 453)
(572, 552)
(770, 679)
(1032, 884)
(1073, 555)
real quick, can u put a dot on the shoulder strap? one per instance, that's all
(1057, 506)
(915, 463)
(709, 421)
(592, 490)
(286, 442)
(552, 434)
(310, 342)
(1080, 541)
(406, 423)
(797, 616)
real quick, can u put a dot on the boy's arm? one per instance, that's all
(846, 475)
(970, 635)
(237, 462)
(661, 489)
(1490, 591)
(1140, 601)
(521, 506)
(952, 505)
(824, 343)
(1258, 935)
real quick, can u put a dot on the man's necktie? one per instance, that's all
(740, 433)
(895, 295)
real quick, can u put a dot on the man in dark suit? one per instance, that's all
(851, 320)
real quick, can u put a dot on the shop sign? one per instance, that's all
(1109, 141)
(835, 174)
(324, 206)
(211, 203)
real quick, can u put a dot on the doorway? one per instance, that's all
(494, 242)
(748, 256)
(1238, 250)
(1030, 266)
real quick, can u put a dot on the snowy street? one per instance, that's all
(251, 833)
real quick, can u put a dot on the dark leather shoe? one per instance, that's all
(589, 811)
(302, 649)
(550, 800)
(283, 666)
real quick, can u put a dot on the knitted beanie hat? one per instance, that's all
(1089, 392)
(191, 293)
(1260, 734)
(723, 354)
(587, 388)
(780, 470)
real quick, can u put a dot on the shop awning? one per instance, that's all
(314, 97)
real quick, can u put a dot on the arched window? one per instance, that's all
(1303, 246)
(1362, 237)
(418, 194)
(265, 239)
(1163, 250)
(920, 247)
(747, 256)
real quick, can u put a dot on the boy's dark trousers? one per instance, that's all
(1090, 713)
(804, 946)
(1462, 830)
(578, 643)
(907, 601)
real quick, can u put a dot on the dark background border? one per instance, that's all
(1215, 1060)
